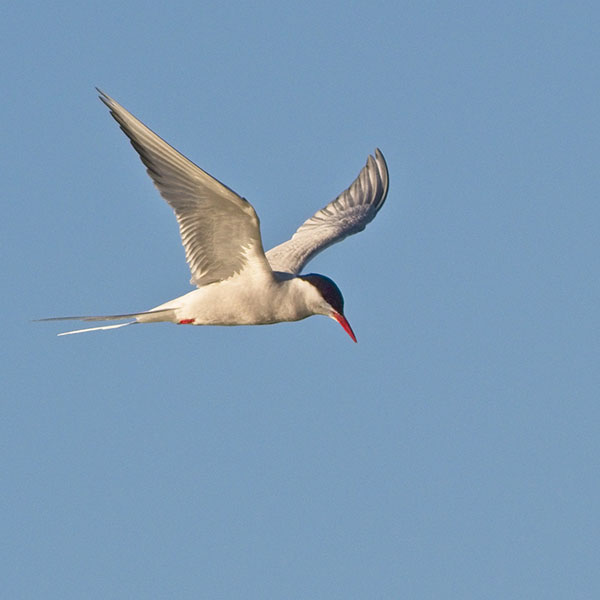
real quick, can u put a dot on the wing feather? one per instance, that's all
(348, 214)
(219, 229)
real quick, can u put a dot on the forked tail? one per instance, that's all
(164, 314)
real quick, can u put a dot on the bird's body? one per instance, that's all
(237, 283)
(269, 298)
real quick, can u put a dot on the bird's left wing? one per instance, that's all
(219, 229)
(349, 213)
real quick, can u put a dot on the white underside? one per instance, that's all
(256, 296)
(241, 301)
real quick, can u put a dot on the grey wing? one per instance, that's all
(219, 229)
(349, 213)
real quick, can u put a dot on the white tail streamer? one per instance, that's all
(105, 327)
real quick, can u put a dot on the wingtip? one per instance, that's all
(379, 156)
(105, 98)
(379, 160)
(383, 172)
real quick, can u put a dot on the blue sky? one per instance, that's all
(452, 453)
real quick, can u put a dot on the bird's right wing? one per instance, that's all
(220, 230)
(349, 213)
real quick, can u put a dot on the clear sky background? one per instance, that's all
(453, 452)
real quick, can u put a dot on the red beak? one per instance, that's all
(341, 319)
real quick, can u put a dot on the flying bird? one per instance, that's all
(237, 283)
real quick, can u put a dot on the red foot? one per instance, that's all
(186, 321)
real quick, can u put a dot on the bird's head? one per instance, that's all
(330, 300)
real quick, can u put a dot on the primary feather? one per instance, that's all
(348, 214)
(219, 229)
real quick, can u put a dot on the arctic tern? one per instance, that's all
(237, 283)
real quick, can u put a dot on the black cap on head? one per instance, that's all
(329, 290)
